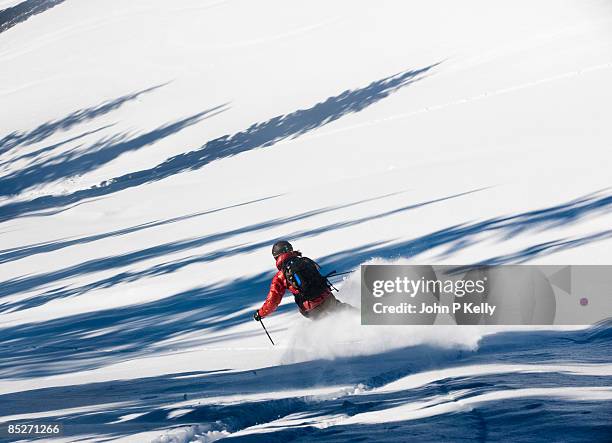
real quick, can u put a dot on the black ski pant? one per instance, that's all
(330, 306)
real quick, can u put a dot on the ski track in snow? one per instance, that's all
(271, 38)
(56, 36)
(461, 101)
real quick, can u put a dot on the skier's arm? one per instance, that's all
(277, 290)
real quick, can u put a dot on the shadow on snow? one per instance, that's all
(29, 283)
(152, 399)
(77, 162)
(90, 340)
(44, 131)
(18, 253)
(259, 135)
(14, 15)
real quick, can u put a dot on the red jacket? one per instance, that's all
(279, 285)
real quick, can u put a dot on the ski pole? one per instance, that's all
(263, 326)
(334, 273)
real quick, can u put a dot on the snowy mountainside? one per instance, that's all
(151, 152)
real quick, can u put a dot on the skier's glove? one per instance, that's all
(256, 316)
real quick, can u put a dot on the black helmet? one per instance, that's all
(280, 247)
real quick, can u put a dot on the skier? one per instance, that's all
(302, 277)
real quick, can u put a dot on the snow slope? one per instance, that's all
(152, 151)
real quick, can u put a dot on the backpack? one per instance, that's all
(303, 274)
